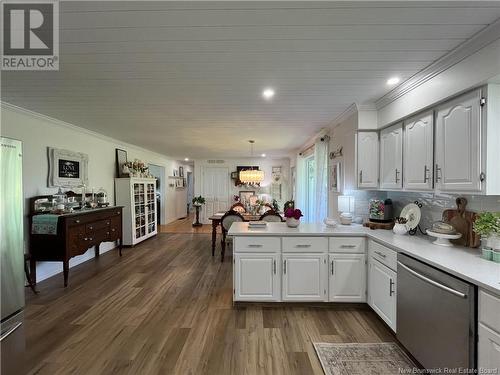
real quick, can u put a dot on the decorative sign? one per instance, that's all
(67, 168)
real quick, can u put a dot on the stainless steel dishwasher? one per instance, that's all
(436, 316)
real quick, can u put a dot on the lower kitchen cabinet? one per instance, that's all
(256, 277)
(382, 291)
(347, 279)
(489, 348)
(304, 277)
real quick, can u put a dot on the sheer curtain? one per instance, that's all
(321, 196)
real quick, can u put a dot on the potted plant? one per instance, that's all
(487, 225)
(292, 217)
(198, 201)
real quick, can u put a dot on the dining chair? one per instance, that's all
(238, 207)
(271, 216)
(229, 218)
(268, 207)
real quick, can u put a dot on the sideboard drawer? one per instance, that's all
(257, 244)
(347, 245)
(305, 244)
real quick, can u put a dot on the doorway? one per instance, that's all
(159, 172)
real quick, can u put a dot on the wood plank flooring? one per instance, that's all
(165, 307)
(185, 226)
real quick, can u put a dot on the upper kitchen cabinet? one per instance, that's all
(367, 159)
(418, 152)
(391, 157)
(458, 165)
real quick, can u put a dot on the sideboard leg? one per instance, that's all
(97, 250)
(65, 272)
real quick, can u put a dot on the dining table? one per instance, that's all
(216, 219)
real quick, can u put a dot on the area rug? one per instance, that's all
(360, 358)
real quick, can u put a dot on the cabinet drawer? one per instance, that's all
(305, 244)
(347, 245)
(489, 310)
(98, 225)
(383, 254)
(257, 244)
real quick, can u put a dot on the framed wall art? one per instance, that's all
(67, 168)
(121, 158)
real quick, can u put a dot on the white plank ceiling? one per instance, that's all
(185, 78)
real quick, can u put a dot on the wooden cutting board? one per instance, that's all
(462, 220)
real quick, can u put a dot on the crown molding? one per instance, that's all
(478, 41)
(5, 105)
(348, 112)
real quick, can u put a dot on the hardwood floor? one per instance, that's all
(165, 307)
(185, 226)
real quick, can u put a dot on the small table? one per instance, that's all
(216, 218)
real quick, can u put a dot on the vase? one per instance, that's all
(292, 222)
(400, 229)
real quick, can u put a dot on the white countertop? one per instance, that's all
(465, 263)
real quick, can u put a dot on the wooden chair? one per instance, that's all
(238, 207)
(268, 207)
(229, 218)
(271, 216)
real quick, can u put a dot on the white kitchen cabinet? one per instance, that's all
(347, 279)
(458, 165)
(367, 159)
(257, 277)
(418, 152)
(391, 157)
(304, 277)
(488, 349)
(382, 291)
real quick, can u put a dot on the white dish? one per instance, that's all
(330, 222)
(411, 212)
(443, 239)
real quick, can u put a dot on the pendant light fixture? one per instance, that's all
(251, 176)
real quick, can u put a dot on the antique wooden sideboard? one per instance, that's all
(76, 233)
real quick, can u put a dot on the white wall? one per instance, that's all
(264, 164)
(37, 132)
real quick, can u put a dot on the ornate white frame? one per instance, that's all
(54, 180)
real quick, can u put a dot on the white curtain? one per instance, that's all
(321, 160)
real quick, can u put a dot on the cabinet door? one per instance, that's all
(391, 157)
(304, 277)
(151, 207)
(347, 279)
(382, 292)
(418, 152)
(367, 159)
(140, 210)
(488, 348)
(256, 277)
(458, 144)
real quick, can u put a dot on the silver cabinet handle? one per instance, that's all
(77, 221)
(254, 245)
(332, 267)
(10, 331)
(284, 266)
(380, 254)
(426, 171)
(432, 282)
(391, 291)
(361, 176)
(397, 176)
(107, 222)
(112, 229)
(347, 246)
(302, 245)
(438, 172)
(91, 227)
(274, 266)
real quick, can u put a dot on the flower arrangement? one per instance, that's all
(236, 198)
(136, 168)
(292, 216)
(198, 201)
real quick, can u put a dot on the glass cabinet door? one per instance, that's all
(151, 206)
(140, 210)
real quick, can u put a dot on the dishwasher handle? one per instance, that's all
(432, 282)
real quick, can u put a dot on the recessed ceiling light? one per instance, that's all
(393, 81)
(268, 93)
(263, 155)
(186, 159)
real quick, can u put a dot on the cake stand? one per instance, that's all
(443, 239)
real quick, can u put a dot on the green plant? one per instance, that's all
(199, 200)
(276, 207)
(487, 223)
(289, 204)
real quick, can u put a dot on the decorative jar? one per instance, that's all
(292, 222)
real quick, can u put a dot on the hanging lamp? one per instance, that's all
(251, 176)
